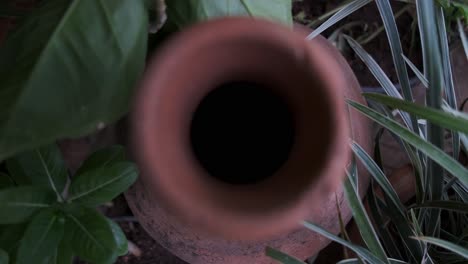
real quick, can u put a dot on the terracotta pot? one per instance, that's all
(241, 131)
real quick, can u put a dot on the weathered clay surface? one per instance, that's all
(313, 75)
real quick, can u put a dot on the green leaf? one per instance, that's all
(362, 220)
(4, 259)
(41, 238)
(364, 253)
(344, 12)
(64, 253)
(379, 75)
(357, 261)
(120, 238)
(463, 37)
(417, 72)
(450, 121)
(5, 181)
(187, 12)
(378, 175)
(385, 10)
(41, 167)
(103, 184)
(445, 205)
(18, 203)
(445, 244)
(91, 236)
(281, 257)
(102, 158)
(10, 237)
(430, 150)
(79, 74)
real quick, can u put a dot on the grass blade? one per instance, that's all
(430, 150)
(344, 12)
(447, 74)
(379, 75)
(378, 175)
(364, 253)
(382, 230)
(463, 37)
(357, 261)
(363, 222)
(417, 72)
(445, 205)
(445, 244)
(450, 121)
(385, 10)
(433, 73)
(282, 257)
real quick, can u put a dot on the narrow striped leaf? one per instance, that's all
(417, 72)
(447, 74)
(344, 12)
(450, 121)
(357, 261)
(448, 205)
(463, 37)
(282, 257)
(430, 150)
(380, 76)
(362, 252)
(378, 175)
(385, 10)
(362, 220)
(445, 244)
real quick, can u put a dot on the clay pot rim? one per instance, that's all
(262, 226)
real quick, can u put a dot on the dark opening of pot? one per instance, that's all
(242, 133)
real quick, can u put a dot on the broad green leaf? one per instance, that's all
(281, 257)
(102, 184)
(42, 167)
(79, 74)
(119, 237)
(344, 12)
(362, 252)
(102, 158)
(462, 251)
(64, 253)
(445, 205)
(362, 220)
(427, 148)
(450, 121)
(5, 181)
(187, 12)
(18, 203)
(10, 237)
(91, 235)
(41, 238)
(4, 259)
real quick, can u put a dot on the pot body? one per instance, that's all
(202, 220)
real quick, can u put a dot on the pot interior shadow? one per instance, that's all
(242, 132)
